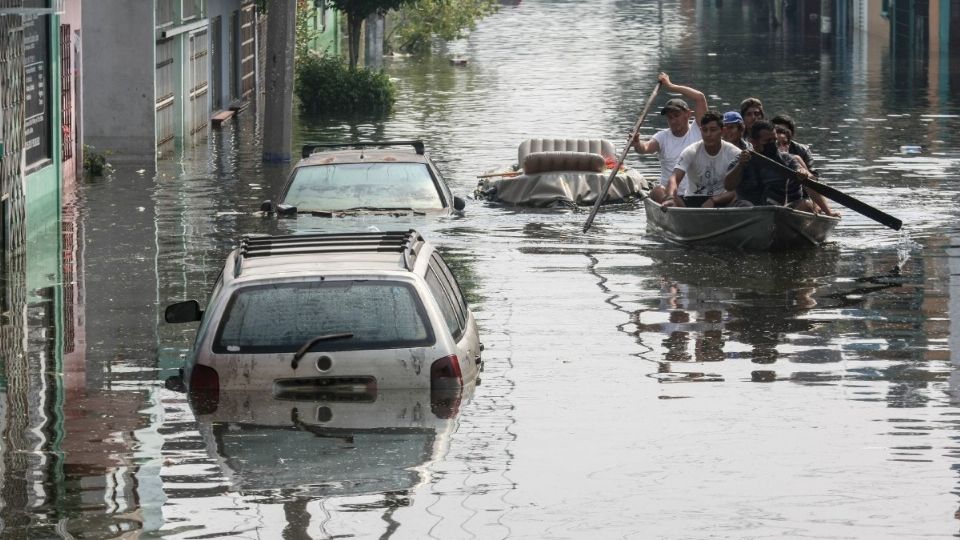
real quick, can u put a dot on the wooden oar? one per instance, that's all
(838, 196)
(623, 156)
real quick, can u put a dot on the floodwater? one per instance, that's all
(632, 388)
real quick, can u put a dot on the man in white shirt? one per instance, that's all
(681, 133)
(703, 165)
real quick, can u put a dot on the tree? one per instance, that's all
(421, 20)
(357, 11)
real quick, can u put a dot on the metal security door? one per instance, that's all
(197, 85)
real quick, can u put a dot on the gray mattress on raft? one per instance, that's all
(562, 188)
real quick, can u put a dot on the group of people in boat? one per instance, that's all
(707, 159)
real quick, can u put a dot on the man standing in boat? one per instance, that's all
(703, 165)
(683, 130)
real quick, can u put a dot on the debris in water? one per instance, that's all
(911, 149)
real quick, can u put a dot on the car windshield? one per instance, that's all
(363, 186)
(283, 316)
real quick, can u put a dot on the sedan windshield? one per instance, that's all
(367, 186)
(282, 317)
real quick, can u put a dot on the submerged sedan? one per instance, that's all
(394, 177)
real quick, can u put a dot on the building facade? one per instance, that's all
(156, 71)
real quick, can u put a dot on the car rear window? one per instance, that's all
(363, 185)
(282, 317)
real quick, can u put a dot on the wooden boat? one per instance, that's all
(756, 228)
(561, 173)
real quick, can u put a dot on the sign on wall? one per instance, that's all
(36, 64)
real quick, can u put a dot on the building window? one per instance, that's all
(192, 9)
(165, 13)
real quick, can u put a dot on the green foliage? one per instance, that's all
(326, 85)
(94, 162)
(305, 35)
(356, 11)
(363, 8)
(422, 20)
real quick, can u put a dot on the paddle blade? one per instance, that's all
(854, 204)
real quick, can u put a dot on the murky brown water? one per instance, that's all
(825, 399)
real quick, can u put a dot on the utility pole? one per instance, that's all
(278, 84)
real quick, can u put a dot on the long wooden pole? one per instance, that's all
(623, 156)
(836, 195)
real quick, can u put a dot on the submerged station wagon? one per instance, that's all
(364, 178)
(332, 315)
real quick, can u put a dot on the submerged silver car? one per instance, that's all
(385, 177)
(332, 315)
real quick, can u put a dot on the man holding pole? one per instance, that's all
(681, 133)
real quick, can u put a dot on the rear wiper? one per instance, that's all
(313, 341)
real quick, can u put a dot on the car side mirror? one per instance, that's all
(286, 210)
(266, 206)
(183, 312)
(459, 204)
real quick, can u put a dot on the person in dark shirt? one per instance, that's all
(785, 128)
(758, 183)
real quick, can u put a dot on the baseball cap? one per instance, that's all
(675, 104)
(732, 117)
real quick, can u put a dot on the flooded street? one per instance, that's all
(632, 388)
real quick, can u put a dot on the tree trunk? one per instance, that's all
(354, 24)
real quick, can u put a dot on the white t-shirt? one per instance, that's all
(670, 148)
(704, 173)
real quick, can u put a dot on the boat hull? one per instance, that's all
(756, 228)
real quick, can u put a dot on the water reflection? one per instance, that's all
(316, 458)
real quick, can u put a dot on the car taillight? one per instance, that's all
(204, 378)
(445, 373)
(204, 389)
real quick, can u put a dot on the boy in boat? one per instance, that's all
(784, 128)
(733, 130)
(751, 109)
(681, 133)
(703, 164)
(758, 183)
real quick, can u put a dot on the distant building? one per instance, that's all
(323, 25)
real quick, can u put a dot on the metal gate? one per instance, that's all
(165, 96)
(248, 51)
(198, 115)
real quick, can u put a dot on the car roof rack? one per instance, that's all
(308, 148)
(406, 243)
